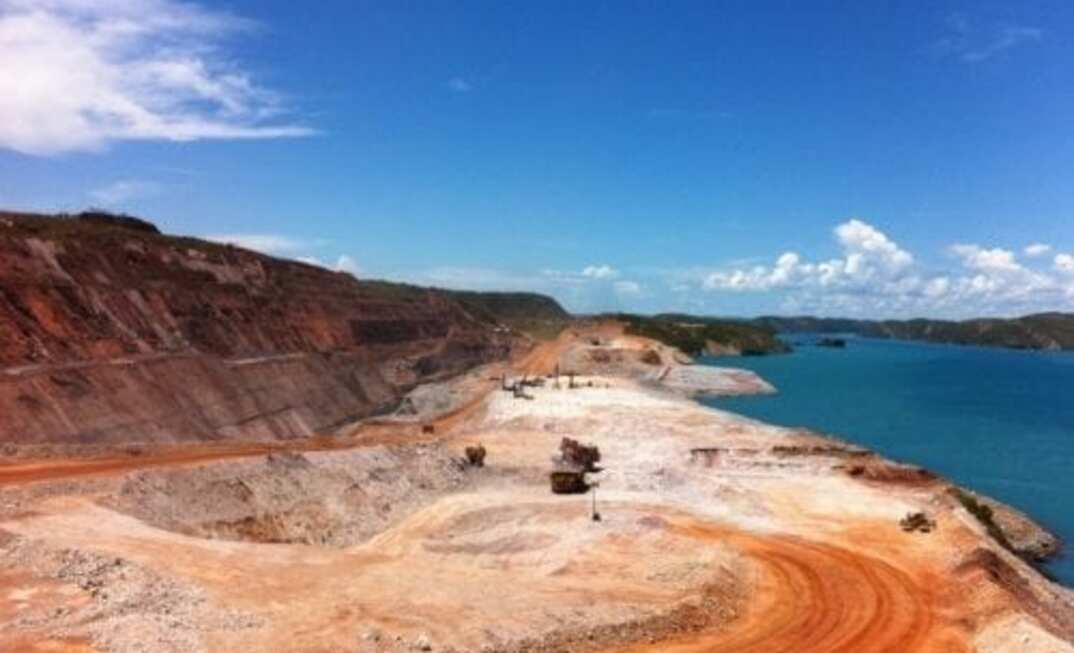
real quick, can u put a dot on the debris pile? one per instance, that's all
(578, 455)
(917, 521)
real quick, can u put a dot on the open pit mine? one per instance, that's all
(209, 449)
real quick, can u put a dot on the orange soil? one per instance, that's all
(810, 597)
(818, 598)
(545, 356)
(540, 360)
(20, 590)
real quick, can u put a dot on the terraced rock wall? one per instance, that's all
(112, 335)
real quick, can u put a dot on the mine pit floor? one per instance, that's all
(388, 542)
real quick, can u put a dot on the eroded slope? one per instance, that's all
(113, 334)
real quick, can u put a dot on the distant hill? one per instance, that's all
(538, 315)
(704, 335)
(511, 306)
(1050, 331)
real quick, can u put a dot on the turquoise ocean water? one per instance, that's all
(998, 421)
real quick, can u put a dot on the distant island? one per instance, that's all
(697, 335)
(707, 335)
(1043, 331)
(834, 343)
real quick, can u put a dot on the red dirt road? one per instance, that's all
(540, 360)
(817, 598)
(808, 597)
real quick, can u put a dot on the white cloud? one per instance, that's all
(865, 241)
(123, 191)
(600, 272)
(273, 244)
(92, 73)
(1037, 249)
(875, 277)
(869, 256)
(627, 288)
(976, 257)
(937, 288)
(459, 85)
(346, 264)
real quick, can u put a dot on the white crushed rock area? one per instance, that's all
(651, 438)
(605, 392)
(1015, 634)
(403, 547)
(698, 380)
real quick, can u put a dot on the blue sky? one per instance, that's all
(725, 158)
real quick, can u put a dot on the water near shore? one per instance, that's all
(998, 421)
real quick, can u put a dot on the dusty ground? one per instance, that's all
(717, 534)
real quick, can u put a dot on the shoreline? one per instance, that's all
(718, 532)
(1031, 536)
(1028, 538)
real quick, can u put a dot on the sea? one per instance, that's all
(998, 421)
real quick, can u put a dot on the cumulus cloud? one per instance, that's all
(999, 277)
(875, 276)
(868, 256)
(976, 257)
(120, 192)
(81, 75)
(1037, 249)
(600, 272)
(864, 241)
(937, 288)
(627, 288)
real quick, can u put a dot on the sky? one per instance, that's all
(874, 159)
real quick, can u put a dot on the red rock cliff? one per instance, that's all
(111, 333)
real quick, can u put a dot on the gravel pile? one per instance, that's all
(131, 609)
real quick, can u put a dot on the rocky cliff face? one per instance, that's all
(112, 333)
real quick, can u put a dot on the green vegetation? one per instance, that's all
(513, 305)
(983, 513)
(697, 335)
(1039, 331)
(92, 222)
(539, 316)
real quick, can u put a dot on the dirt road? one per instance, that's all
(821, 563)
(540, 360)
(817, 598)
